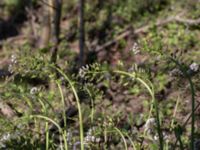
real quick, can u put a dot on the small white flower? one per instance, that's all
(13, 56)
(90, 138)
(82, 73)
(33, 90)
(194, 67)
(156, 137)
(83, 70)
(85, 67)
(5, 137)
(89, 132)
(165, 136)
(93, 138)
(13, 59)
(98, 140)
(135, 49)
(62, 79)
(87, 138)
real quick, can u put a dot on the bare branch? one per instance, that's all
(187, 21)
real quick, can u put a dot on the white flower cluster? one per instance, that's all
(7, 136)
(135, 49)
(13, 62)
(150, 128)
(34, 90)
(194, 67)
(14, 59)
(3, 139)
(90, 137)
(165, 137)
(82, 71)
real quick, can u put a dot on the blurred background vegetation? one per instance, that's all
(134, 36)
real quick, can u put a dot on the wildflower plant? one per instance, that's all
(90, 72)
(98, 123)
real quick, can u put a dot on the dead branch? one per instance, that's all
(144, 29)
(190, 22)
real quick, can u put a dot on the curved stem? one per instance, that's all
(155, 103)
(121, 134)
(64, 116)
(78, 105)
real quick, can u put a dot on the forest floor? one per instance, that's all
(173, 31)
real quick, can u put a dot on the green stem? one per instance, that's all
(155, 103)
(46, 124)
(50, 120)
(78, 105)
(63, 114)
(121, 134)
